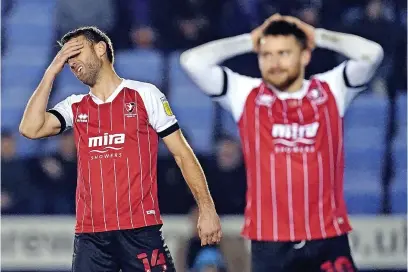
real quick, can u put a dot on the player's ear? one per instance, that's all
(305, 57)
(100, 49)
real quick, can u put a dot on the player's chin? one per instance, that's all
(278, 83)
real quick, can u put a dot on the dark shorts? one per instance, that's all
(136, 250)
(326, 255)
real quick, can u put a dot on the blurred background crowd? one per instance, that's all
(39, 177)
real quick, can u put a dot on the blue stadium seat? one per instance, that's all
(399, 200)
(27, 147)
(21, 76)
(402, 109)
(229, 125)
(11, 117)
(177, 74)
(367, 109)
(364, 139)
(399, 183)
(33, 12)
(194, 109)
(141, 65)
(362, 191)
(198, 126)
(25, 34)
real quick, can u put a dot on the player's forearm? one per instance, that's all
(195, 178)
(215, 52)
(351, 46)
(35, 111)
(201, 63)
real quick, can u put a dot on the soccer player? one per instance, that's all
(118, 224)
(292, 135)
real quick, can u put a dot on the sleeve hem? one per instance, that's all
(224, 85)
(169, 130)
(60, 118)
(347, 82)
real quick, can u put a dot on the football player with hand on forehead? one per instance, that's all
(116, 124)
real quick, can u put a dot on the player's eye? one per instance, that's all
(284, 53)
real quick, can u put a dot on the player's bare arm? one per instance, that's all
(36, 122)
(209, 226)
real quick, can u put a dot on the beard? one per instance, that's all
(92, 69)
(282, 83)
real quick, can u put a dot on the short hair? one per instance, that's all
(92, 34)
(285, 28)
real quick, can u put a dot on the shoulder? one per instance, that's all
(76, 98)
(141, 87)
(239, 81)
(333, 76)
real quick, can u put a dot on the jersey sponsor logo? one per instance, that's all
(295, 137)
(103, 144)
(166, 106)
(82, 118)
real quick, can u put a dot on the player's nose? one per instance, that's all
(72, 64)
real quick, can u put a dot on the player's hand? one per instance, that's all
(256, 34)
(70, 49)
(209, 227)
(308, 29)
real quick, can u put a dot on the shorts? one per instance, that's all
(325, 255)
(136, 250)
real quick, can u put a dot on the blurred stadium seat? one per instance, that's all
(142, 65)
(29, 24)
(193, 109)
(399, 182)
(364, 139)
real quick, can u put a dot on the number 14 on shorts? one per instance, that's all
(156, 260)
(341, 264)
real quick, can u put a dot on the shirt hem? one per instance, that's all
(247, 236)
(112, 228)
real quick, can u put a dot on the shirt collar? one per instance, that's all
(299, 94)
(111, 97)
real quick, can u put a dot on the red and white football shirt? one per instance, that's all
(293, 148)
(117, 147)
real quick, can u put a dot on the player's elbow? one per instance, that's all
(184, 59)
(376, 54)
(187, 60)
(27, 131)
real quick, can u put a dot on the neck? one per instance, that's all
(296, 85)
(106, 84)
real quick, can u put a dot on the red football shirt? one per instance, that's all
(293, 148)
(117, 143)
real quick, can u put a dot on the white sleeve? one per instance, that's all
(63, 111)
(236, 89)
(160, 115)
(352, 76)
(202, 65)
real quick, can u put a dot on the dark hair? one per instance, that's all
(285, 28)
(92, 34)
